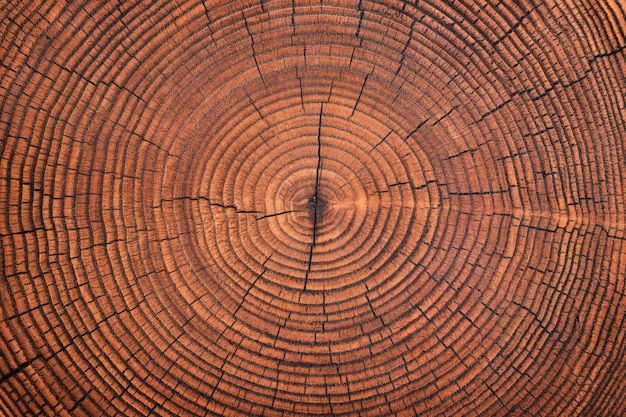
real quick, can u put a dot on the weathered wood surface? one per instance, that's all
(313, 208)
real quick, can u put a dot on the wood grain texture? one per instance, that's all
(293, 207)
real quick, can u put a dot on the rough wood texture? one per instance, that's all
(284, 207)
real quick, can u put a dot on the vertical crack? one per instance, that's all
(253, 46)
(293, 16)
(361, 13)
(206, 12)
(315, 203)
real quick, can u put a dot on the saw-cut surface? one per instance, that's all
(290, 208)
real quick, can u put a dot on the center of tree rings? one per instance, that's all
(316, 206)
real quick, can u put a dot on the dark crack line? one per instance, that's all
(381, 141)
(400, 183)
(318, 174)
(253, 46)
(613, 52)
(413, 187)
(406, 46)
(488, 192)
(358, 99)
(361, 13)
(293, 17)
(259, 113)
(243, 300)
(466, 151)
(278, 214)
(513, 27)
(206, 13)
(446, 115)
(301, 93)
(202, 198)
(419, 126)
(20, 368)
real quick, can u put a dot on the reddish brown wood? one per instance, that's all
(313, 208)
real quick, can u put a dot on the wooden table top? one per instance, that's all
(289, 208)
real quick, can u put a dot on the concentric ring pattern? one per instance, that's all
(313, 208)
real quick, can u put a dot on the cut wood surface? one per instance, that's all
(339, 207)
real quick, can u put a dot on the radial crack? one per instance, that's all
(278, 214)
(315, 204)
(212, 204)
